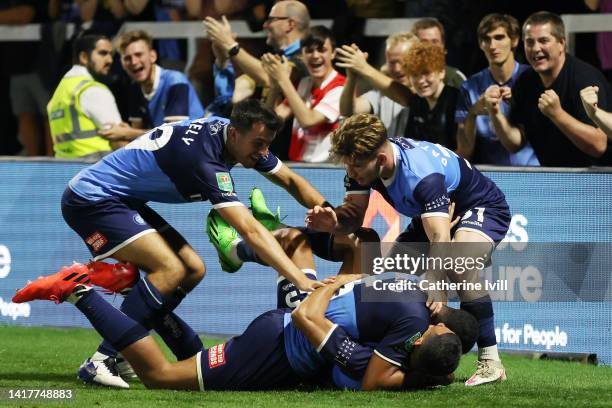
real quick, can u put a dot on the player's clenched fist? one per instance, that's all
(321, 219)
(549, 103)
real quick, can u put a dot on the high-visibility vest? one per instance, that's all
(74, 133)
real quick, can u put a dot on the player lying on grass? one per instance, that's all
(272, 352)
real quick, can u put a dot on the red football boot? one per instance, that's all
(56, 287)
(115, 278)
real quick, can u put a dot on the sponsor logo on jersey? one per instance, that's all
(216, 356)
(224, 181)
(96, 241)
(139, 220)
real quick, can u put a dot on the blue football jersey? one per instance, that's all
(387, 323)
(174, 163)
(427, 177)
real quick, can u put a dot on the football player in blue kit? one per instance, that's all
(279, 348)
(420, 179)
(175, 163)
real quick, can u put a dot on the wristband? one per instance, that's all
(234, 50)
(327, 204)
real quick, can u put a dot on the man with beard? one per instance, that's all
(82, 106)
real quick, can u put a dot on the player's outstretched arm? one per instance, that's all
(297, 186)
(266, 246)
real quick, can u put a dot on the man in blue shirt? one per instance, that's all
(176, 163)
(156, 95)
(498, 36)
(419, 179)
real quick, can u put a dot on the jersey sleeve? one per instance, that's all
(343, 351)
(353, 187)
(177, 103)
(431, 194)
(216, 184)
(268, 164)
(399, 339)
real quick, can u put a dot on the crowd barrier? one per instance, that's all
(548, 206)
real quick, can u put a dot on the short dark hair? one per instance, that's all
(85, 43)
(492, 21)
(462, 323)
(250, 111)
(439, 355)
(546, 17)
(429, 22)
(317, 36)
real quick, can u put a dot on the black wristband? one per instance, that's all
(234, 51)
(327, 204)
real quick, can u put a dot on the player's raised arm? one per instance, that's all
(345, 219)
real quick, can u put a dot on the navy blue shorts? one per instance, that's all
(109, 224)
(255, 360)
(490, 222)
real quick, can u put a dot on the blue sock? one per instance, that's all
(141, 304)
(247, 254)
(177, 335)
(117, 329)
(482, 310)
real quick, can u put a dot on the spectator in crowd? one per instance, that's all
(157, 95)
(286, 25)
(498, 37)
(604, 40)
(546, 108)
(600, 117)
(432, 111)
(432, 31)
(102, 16)
(314, 105)
(28, 95)
(82, 106)
(393, 115)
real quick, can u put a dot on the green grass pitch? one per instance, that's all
(48, 358)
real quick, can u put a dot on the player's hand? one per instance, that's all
(549, 104)
(220, 32)
(434, 306)
(308, 285)
(451, 213)
(352, 58)
(480, 107)
(322, 219)
(114, 132)
(345, 278)
(589, 99)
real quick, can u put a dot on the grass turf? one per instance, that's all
(48, 358)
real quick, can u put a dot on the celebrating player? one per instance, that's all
(175, 163)
(419, 179)
(273, 352)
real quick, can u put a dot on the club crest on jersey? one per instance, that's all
(224, 181)
(409, 344)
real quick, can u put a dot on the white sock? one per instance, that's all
(233, 253)
(78, 293)
(488, 353)
(99, 356)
